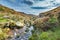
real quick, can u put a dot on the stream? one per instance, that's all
(23, 35)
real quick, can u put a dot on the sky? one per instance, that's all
(31, 6)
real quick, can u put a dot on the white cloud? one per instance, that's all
(50, 4)
(57, 1)
(41, 4)
(46, 3)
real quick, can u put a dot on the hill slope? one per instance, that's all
(51, 12)
(47, 27)
(14, 15)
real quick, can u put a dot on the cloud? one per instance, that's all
(31, 6)
(27, 2)
(39, 7)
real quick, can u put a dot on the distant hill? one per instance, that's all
(50, 12)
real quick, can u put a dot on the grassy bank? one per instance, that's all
(47, 35)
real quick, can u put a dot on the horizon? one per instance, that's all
(31, 6)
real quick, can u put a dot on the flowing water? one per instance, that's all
(23, 35)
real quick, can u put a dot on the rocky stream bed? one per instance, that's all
(22, 33)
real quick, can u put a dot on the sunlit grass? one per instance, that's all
(3, 20)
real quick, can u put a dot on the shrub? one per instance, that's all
(52, 20)
(3, 34)
(34, 37)
(1, 9)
